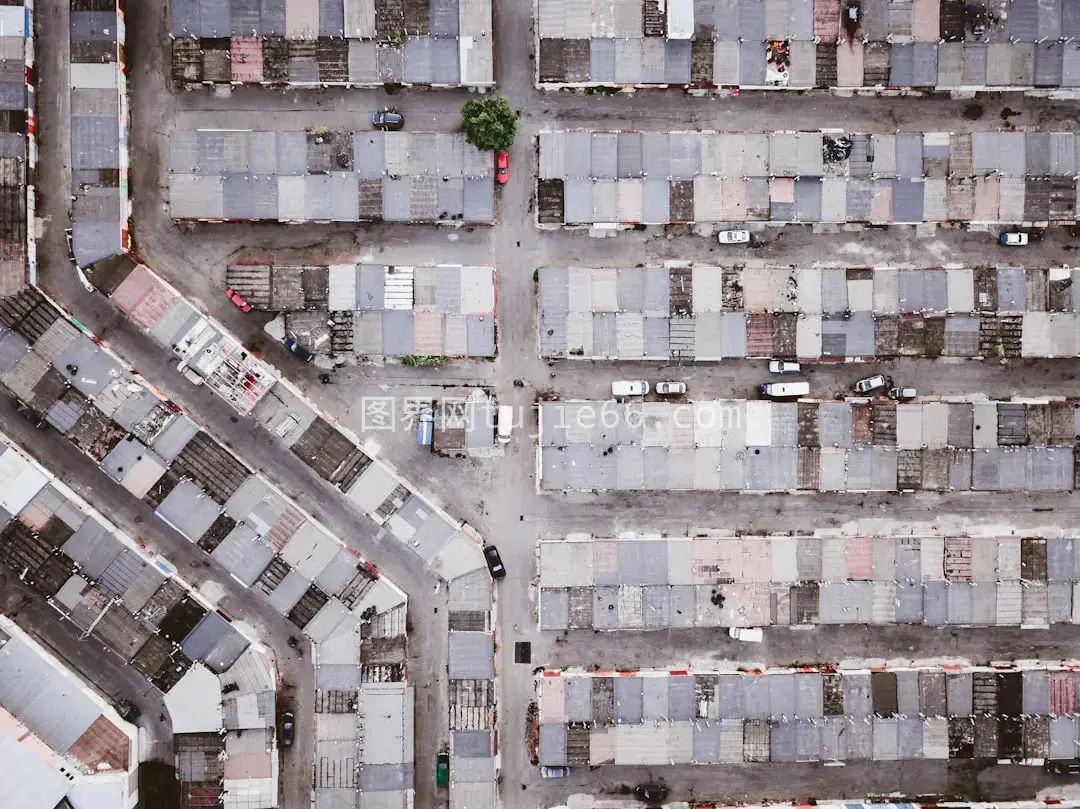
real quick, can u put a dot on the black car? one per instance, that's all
(388, 119)
(651, 793)
(128, 710)
(494, 562)
(296, 349)
(1066, 767)
(286, 721)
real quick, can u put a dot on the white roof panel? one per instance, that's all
(20, 481)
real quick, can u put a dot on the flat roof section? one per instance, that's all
(710, 313)
(651, 583)
(802, 44)
(300, 176)
(626, 177)
(809, 445)
(1009, 712)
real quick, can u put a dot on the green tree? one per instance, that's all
(489, 123)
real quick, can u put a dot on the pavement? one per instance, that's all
(499, 496)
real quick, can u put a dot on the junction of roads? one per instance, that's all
(237, 570)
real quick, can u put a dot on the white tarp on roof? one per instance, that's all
(680, 19)
(194, 703)
(20, 480)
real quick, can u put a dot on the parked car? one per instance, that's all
(554, 772)
(1064, 767)
(285, 722)
(784, 367)
(733, 237)
(494, 562)
(504, 423)
(295, 348)
(902, 393)
(1014, 238)
(502, 167)
(626, 387)
(442, 769)
(389, 119)
(749, 634)
(237, 299)
(785, 390)
(871, 383)
(670, 388)
(425, 426)
(128, 710)
(651, 793)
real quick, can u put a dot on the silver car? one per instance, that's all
(554, 772)
(670, 388)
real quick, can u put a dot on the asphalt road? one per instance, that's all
(498, 496)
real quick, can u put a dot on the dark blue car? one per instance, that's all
(292, 345)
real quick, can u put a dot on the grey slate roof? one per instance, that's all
(333, 42)
(595, 177)
(741, 445)
(852, 313)
(98, 137)
(298, 176)
(922, 45)
(652, 717)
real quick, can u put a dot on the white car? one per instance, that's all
(869, 384)
(733, 237)
(627, 387)
(784, 367)
(746, 633)
(670, 388)
(1014, 239)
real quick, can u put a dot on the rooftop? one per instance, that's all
(203, 346)
(442, 43)
(624, 177)
(801, 44)
(100, 206)
(707, 313)
(55, 733)
(766, 446)
(907, 576)
(718, 717)
(443, 310)
(329, 176)
(17, 264)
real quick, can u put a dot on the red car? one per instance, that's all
(236, 298)
(502, 167)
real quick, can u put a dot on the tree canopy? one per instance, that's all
(489, 123)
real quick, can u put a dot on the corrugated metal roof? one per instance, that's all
(223, 190)
(738, 177)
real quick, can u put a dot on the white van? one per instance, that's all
(504, 423)
(626, 387)
(785, 390)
